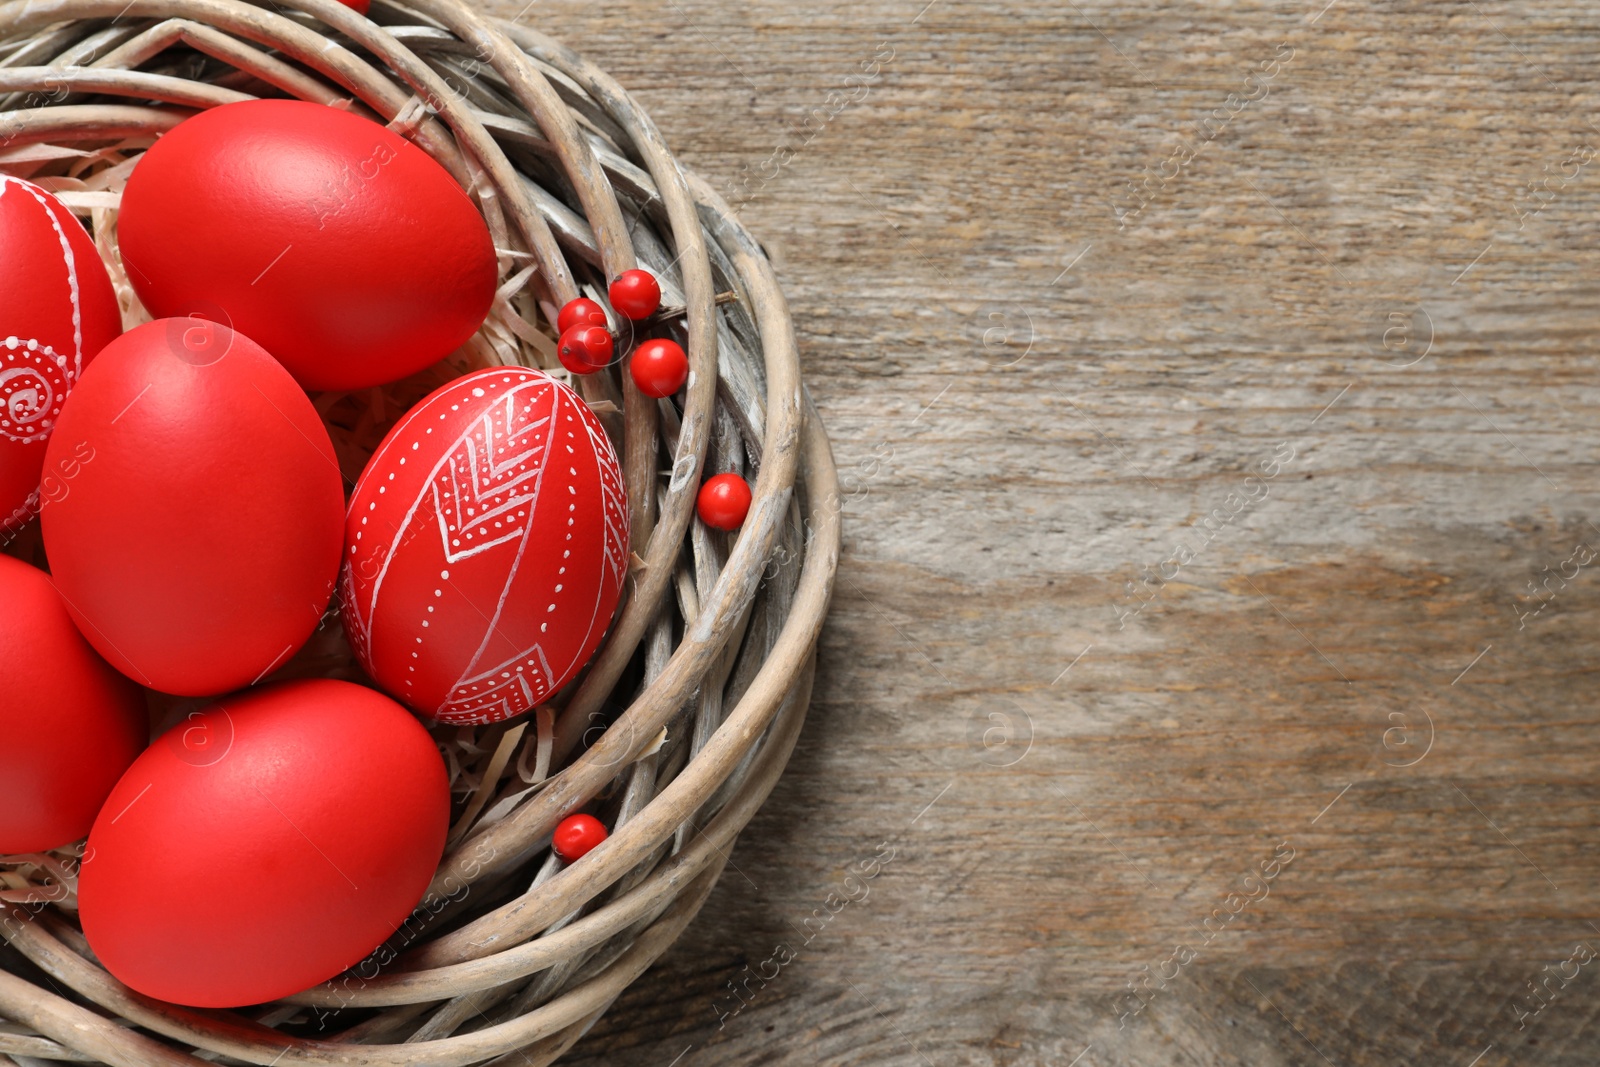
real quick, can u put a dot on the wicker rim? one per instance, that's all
(547, 960)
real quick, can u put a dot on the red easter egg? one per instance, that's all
(57, 310)
(197, 542)
(264, 844)
(485, 547)
(331, 241)
(69, 724)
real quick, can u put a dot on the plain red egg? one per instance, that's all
(264, 845)
(485, 547)
(56, 312)
(334, 243)
(69, 724)
(199, 546)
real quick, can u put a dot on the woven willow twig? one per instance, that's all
(680, 727)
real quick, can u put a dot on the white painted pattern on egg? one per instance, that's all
(477, 511)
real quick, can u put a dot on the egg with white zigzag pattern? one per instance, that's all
(485, 547)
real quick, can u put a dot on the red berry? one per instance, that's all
(636, 294)
(576, 835)
(724, 501)
(581, 311)
(659, 367)
(585, 349)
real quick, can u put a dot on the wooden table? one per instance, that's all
(1210, 679)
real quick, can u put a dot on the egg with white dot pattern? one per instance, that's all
(485, 547)
(57, 310)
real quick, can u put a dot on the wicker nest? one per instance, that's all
(680, 726)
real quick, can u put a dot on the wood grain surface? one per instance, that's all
(1211, 677)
